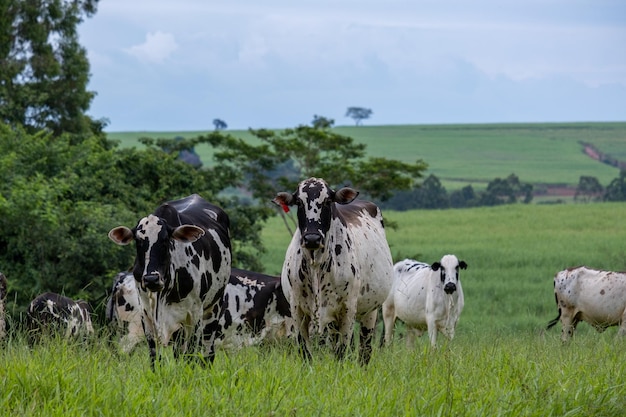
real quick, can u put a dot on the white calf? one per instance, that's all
(425, 297)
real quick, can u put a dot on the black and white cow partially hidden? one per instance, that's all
(597, 297)
(338, 266)
(51, 314)
(425, 297)
(181, 267)
(254, 309)
(124, 310)
(3, 296)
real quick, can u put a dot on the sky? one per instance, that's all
(163, 65)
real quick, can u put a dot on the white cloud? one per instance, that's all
(157, 47)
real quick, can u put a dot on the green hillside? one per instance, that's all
(547, 153)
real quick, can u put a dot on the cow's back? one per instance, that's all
(366, 252)
(411, 288)
(598, 296)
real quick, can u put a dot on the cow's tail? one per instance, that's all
(556, 320)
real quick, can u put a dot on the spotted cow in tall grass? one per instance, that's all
(594, 296)
(254, 309)
(425, 297)
(51, 314)
(338, 266)
(181, 268)
(123, 310)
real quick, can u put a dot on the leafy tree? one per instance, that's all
(465, 197)
(358, 114)
(311, 152)
(45, 71)
(616, 190)
(59, 199)
(588, 189)
(506, 191)
(220, 124)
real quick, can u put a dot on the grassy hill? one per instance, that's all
(546, 153)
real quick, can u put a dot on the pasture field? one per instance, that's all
(460, 155)
(501, 362)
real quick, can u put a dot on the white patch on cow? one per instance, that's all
(593, 296)
(418, 298)
(212, 214)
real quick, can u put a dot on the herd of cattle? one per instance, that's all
(338, 271)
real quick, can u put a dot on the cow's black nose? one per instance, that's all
(449, 288)
(312, 241)
(152, 282)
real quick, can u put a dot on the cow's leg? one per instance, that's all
(622, 326)
(368, 325)
(389, 320)
(568, 322)
(303, 322)
(411, 335)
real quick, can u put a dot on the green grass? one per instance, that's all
(501, 363)
(477, 374)
(475, 154)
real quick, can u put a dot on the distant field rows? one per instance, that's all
(548, 153)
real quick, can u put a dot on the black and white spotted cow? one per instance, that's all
(182, 268)
(595, 296)
(338, 267)
(254, 308)
(124, 310)
(3, 296)
(425, 297)
(50, 314)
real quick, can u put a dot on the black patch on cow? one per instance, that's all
(337, 250)
(182, 286)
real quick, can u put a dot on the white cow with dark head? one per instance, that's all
(597, 297)
(425, 297)
(338, 266)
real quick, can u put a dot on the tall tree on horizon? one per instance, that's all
(45, 70)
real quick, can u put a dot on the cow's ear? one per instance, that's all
(121, 235)
(283, 200)
(462, 265)
(435, 266)
(187, 233)
(345, 195)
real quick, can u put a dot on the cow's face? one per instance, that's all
(449, 272)
(154, 239)
(315, 201)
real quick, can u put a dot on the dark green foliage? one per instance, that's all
(588, 189)
(59, 199)
(616, 190)
(45, 71)
(506, 191)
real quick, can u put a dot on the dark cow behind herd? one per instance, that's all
(254, 308)
(338, 267)
(182, 266)
(50, 314)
